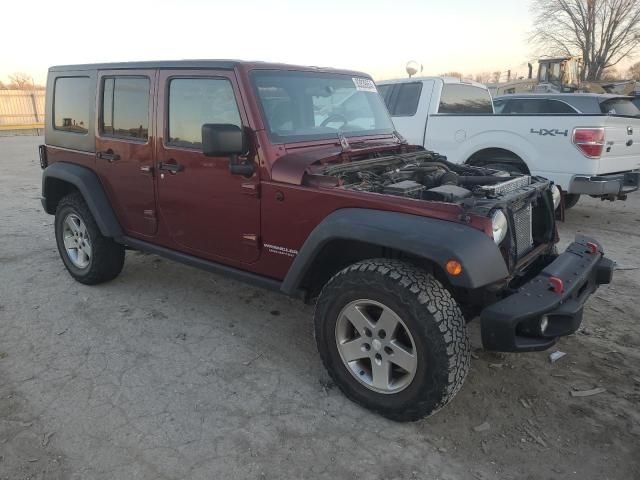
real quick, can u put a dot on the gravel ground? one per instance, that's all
(172, 373)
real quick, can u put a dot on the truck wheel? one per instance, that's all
(571, 200)
(392, 338)
(89, 257)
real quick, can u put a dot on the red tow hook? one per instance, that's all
(557, 285)
(593, 248)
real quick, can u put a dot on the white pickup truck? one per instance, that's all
(592, 154)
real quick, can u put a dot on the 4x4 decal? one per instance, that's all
(543, 132)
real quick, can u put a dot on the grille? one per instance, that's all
(508, 186)
(522, 227)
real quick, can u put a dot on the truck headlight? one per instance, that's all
(555, 193)
(500, 226)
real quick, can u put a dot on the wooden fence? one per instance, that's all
(21, 110)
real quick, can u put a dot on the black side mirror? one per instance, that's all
(226, 140)
(222, 140)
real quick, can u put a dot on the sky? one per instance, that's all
(377, 37)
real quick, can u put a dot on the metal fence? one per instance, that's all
(21, 111)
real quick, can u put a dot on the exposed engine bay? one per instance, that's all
(423, 175)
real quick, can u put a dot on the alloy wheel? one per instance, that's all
(376, 346)
(76, 240)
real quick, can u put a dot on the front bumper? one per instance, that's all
(513, 324)
(618, 184)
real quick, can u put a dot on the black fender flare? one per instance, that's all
(433, 239)
(89, 186)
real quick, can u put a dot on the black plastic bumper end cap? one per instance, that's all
(604, 271)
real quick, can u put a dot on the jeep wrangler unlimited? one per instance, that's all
(294, 178)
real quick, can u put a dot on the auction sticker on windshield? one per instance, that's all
(364, 84)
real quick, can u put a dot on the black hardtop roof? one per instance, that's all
(200, 64)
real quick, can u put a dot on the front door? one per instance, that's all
(124, 147)
(207, 211)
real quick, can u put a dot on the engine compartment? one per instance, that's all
(420, 175)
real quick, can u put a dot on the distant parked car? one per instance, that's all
(570, 103)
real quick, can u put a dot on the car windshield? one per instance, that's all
(300, 106)
(620, 106)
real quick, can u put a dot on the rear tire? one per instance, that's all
(90, 257)
(571, 200)
(425, 352)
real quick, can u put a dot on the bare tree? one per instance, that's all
(452, 74)
(634, 71)
(495, 77)
(611, 74)
(483, 77)
(21, 81)
(603, 31)
(2, 87)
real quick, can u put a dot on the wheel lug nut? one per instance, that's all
(388, 350)
(382, 334)
(367, 332)
(366, 347)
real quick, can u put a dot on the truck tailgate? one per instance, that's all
(622, 147)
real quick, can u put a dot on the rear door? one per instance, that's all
(124, 147)
(207, 211)
(408, 104)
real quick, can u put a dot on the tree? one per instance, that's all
(20, 81)
(603, 32)
(610, 75)
(483, 77)
(495, 77)
(452, 74)
(634, 71)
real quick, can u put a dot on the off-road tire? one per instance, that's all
(107, 258)
(431, 315)
(571, 200)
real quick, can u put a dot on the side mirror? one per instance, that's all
(222, 140)
(226, 140)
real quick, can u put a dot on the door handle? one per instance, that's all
(109, 155)
(170, 167)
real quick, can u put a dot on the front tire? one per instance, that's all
(392, 338)
(90, 257)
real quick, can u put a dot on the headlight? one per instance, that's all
(500, 226)
(555, 192)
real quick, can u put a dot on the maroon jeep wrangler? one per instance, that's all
(294, 179)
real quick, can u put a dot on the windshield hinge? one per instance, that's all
(400, 138)
(344, 144)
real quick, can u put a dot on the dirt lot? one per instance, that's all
(173, 373)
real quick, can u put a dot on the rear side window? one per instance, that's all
(619, 106)
(407, 99)
(71, 104)
(125, 107)
(402, 98)
(385, 93)
(464, 100)
(196, 101)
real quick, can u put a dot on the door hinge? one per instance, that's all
(250, 239)
(252, 189)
